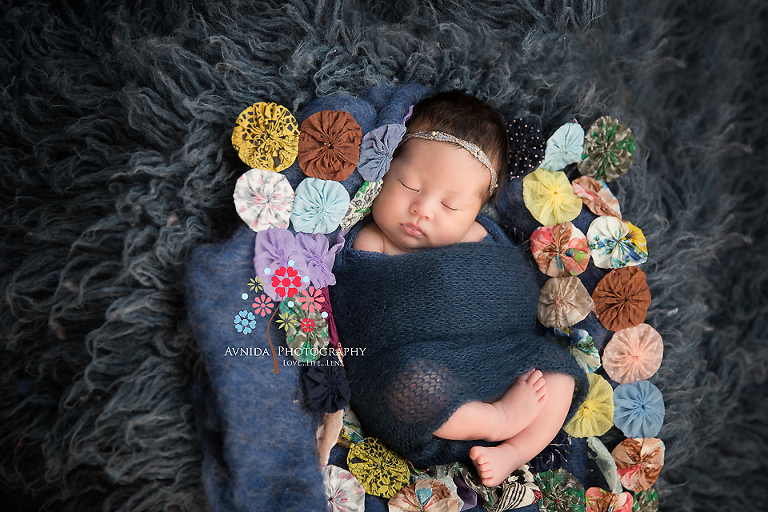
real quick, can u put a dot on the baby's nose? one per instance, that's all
(422, 208)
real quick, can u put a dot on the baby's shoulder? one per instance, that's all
(476, 233)
(369, 238)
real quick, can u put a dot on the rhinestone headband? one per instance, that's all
(473, 149)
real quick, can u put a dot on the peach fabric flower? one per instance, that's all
(622, 298)
(639, 461)
(599, 500)
(633, 354)
(329, 145)
(563, 301)
(596, 196)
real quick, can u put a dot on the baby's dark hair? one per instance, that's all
(466, 117)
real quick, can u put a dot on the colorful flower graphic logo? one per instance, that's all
(263, 305)
(307, 325)
(311, 299)
(245, 322)
(286, 282)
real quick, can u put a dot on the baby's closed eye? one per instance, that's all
(406, 186)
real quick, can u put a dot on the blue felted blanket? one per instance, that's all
(440, 328)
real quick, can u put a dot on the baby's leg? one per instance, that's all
(502, 419)
(496, 463)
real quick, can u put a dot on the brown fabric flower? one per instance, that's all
(639, 462)
(563, 301)
(622, 298)
(329, 145)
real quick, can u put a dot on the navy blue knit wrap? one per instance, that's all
(440, 328)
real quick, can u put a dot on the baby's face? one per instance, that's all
(431, 195)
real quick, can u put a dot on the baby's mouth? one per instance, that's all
(412, 230)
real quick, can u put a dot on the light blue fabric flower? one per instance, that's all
(319, 206)
(564, 147)
(638, 409)
(245, 322)
(376, 150)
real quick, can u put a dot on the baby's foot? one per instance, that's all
(520, 405)
(495, 463)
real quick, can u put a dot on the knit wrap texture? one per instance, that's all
(440, 327)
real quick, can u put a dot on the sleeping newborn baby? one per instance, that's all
(446, 306)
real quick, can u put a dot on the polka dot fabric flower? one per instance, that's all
(622, 298)
(639, 462)
(380, 471)
(560, 250)
(609, 149)
(426, 494)
(266, 136)
(564, 147)
(596, 196)
(615, 243)
(263, 199)
(563, 301)
(329, 145)
(560, 492)
(633, 354)
(594, 417)
(319, 206)
(638, 409)
(526, 147)
(550, 198)
(344, 492)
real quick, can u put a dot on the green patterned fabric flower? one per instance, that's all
(306, 334)
(560, 492)
(609, 149)
(646, 501)
(360, 205)
(381, 471)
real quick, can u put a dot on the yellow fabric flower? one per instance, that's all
(550, 198)
(266, 136)
(381, 471)
(595, 415)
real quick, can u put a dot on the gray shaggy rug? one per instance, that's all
(115, 162)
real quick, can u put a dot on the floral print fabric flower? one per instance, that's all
(380, 471)
(560, 250)
(266, 136)
(646, 501)
(639, 462)
(622, 298)
(307, 334)
(615, 243)
(319, 205)
(609, 149)
(594, 417)
(638, 409)
(564, 147)
(560, 492)
(376, 150)
(360, 206)
(563, 301)
(599, 500)
(633, 354)
(263, 199)
(274, 249)
(580, 345)
(344, 492)
(517, 490)
(329, 145)
(426, 494)
(550, 198)
(596, 196)
(319, 258)
(526, 147)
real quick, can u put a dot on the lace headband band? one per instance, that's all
(473, 149)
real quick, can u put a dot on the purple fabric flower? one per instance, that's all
(275, 248)
(376, 150)
(318, 258)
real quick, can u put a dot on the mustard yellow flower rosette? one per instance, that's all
(595, 415)
(266, 136)
(381, 471)
(550, 198)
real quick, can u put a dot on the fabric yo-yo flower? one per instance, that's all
(594, 417)
(344, 492)
(639, 462)
(638, 409)
(596, 196)
(564, 147)
(563, 301)
(325, 385)
(604, 460)
(380, 470)
(276, 249)
(266, 136)
(426, 494)
(329, 145)
(554, 455)
(360, 205)
(622, 298)
(263, 199)
(550, 198)
(319, 257)
(633, 354)
(560, 492)
(580, 345)
(560, 250)
(307, 334)
(615, 243)
(599, 500)
(609, 149)
(646, 501)
(319, 205)
(376, 150)
(526, 147)
(517, 490)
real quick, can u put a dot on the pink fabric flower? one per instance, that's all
(599, 500)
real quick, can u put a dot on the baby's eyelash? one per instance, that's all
(453, 209)
(406, 186)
